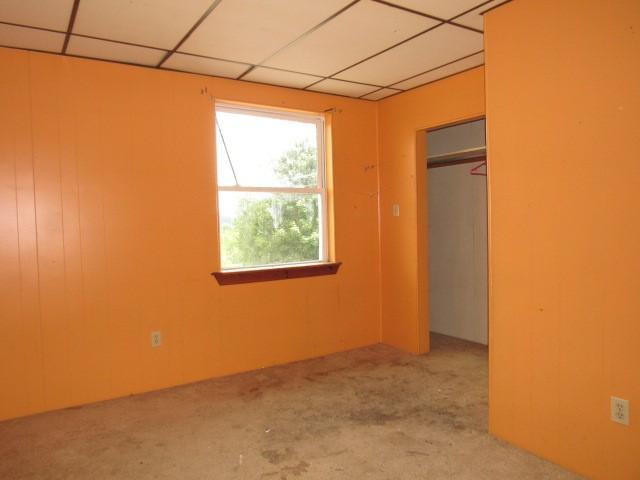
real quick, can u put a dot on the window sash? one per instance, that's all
(318, 120)
(320, 189)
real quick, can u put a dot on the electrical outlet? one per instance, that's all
(156, 339)
(620, 410)
(396, 210)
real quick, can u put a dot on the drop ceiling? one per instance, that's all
(367, 49)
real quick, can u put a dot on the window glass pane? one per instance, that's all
(269, 228)
(266, 152)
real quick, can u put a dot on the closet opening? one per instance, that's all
(457, 231)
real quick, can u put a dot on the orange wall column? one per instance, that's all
(563, 103)
(402, 149)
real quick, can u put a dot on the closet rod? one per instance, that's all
(460, 161)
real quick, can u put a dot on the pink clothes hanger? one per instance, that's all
(477, 169)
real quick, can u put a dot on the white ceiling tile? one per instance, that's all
(206, 66)
(382, 93)
(459, 66)
(154, 23)
(118, 52)
(252, 30)
(53, 14)
(475, 18)
(362, 30)
(435, 48)
(439, 8)
(30, 38)
(280, 77)
(343, 88)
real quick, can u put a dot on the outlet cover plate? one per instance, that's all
(620, 410)
(156, 339)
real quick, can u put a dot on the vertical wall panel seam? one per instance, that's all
(379, 226)
(105, 280)
(35, 219)
(18, 239)
(166, 245)
(57, 90)
(83, 301)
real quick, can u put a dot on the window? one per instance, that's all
(272, 199)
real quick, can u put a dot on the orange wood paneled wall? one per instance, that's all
(403, 176)
(108, 232)
(563, 103)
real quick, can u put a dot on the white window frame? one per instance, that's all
(319, 121)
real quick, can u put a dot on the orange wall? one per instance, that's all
(108, 231)
(563, 100)
(403, 174)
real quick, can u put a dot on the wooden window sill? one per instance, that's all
(267, 274)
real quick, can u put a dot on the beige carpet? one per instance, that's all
(373, 413)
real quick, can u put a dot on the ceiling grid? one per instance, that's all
(368, 49)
